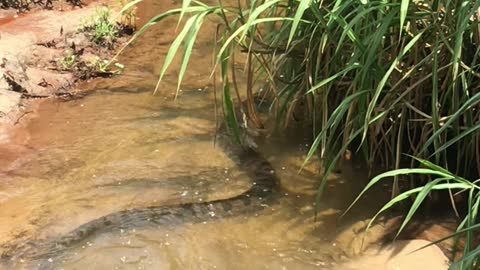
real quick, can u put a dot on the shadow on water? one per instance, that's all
(120, 147)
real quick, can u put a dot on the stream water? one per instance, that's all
(121, 147)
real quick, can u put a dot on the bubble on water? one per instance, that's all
(283, 168)
(272, 171)
(123, 259)
(167, 244)
(50, 260)
(196, 192)
(184, 193)
(211, 213)
(122, 231)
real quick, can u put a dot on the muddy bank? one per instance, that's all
(44, 54)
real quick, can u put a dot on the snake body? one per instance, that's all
(259, 196)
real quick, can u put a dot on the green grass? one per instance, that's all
(101, 28)
(382, 78)
(67, 61)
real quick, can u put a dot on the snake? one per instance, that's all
(262, 194)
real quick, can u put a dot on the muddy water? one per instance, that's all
(121, 147)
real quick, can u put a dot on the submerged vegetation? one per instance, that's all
(391, 78)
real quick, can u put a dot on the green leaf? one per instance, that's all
(382, 83)
(304, 5)
(254, 16)
(409, 193)
(174, 48)
(403, 13)
(336, 117)
(334, 77)
(418, 201)
(470, 102)
(185, 6)
(190, 41)
(393, 173)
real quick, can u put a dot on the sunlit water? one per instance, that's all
(121, 147)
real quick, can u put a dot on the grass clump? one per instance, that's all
(104, 29)
(103, 67)
(101, 29)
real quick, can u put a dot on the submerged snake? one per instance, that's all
(260, 195)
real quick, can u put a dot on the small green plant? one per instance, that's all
(103, 66)
(101, 29)
(99, 65)
(67, 61)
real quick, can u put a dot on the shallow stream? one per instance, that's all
(121, 147)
